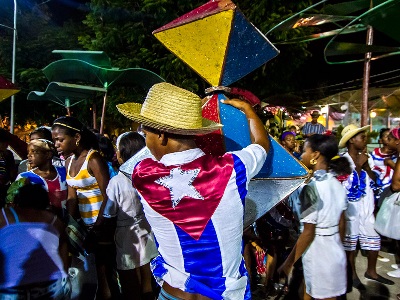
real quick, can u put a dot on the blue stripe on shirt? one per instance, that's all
(241, 182)
(241, 177)
(203, 260)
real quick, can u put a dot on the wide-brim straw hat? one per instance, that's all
(349, 131)
(171, 109)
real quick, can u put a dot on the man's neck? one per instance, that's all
(179, 145)
(353, 151)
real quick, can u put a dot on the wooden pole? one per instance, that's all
(13, 67)
(94, 109)
(103, 112)
(367, 68)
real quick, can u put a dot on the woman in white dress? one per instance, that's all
(323, 202)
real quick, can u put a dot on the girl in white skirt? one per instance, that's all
(323, 202)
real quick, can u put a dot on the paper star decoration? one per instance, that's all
(179, 183)
(217, 41)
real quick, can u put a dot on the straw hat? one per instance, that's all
(348, 132)
(170, 109)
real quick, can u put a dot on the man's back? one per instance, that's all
(200, 241)
(194, 202)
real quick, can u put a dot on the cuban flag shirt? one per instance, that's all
(195, 205)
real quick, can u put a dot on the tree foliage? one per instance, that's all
(37, 36)
(123, 30)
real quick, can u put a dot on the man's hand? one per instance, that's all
(239, 104)
(257, 131)
(258, 248)
(285, 269)
(360, 159)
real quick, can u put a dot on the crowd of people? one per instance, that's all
(164, 220)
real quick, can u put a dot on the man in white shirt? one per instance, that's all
(193, 201)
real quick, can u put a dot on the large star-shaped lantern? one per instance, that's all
(222, 46)
(218, 42)
(179, 183)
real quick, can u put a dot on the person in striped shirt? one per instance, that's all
(87, 179)
(313, 127)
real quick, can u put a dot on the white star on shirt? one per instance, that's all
(179, 183)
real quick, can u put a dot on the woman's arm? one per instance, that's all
(97, 166)
(11, 165)
(62, 245)
(304, 241)
(342, 226)
(389, 162)
(395, 185)
(72, 198)
(72, 203)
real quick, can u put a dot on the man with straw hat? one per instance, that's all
(194, 202)
(360, 212)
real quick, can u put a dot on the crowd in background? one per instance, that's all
(72, 191)
(71, 162)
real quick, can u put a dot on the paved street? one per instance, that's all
(84, 283)
(374, 290)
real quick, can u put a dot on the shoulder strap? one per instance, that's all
(69, 164)
(84, 165)
(91, 151)
(86, 162)
(54, 220)
(14, 214)
(5, 216)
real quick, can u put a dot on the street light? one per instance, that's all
(372, 115)
(13, 67)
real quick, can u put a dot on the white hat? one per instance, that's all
(349, 131)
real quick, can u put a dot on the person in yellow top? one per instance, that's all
(87, 179)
